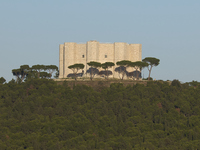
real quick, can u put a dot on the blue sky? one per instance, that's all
(31, 31)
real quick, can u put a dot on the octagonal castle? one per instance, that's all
(71, 53)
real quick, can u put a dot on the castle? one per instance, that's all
(71, 53)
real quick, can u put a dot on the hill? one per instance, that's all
(42, 114)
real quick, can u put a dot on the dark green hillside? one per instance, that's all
(39, 114)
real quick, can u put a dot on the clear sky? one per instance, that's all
(31, 31)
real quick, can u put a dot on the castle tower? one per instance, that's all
(61, 61)
(92, 52)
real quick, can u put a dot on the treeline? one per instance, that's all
(40, 114)
(36, 71)
(137, 66)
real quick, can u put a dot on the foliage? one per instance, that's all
(41, 114)
(151, 63)
(21, 73)
(36, 71)
(45, 75)
(176, 83)
(106, 66)
(75, 68)
(56, 74)
(2, 80)
(194, 83)
(93, 65)
(38, 68)
(122, 67)
(138, 66)
(150, 79)
(51, 69)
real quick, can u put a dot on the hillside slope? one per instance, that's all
(41, 114)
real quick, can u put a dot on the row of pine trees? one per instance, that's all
(148, 62)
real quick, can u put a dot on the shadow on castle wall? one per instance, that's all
(104, 73)
(71, 75)
(132, 74)
(93, 71)
(101, 73)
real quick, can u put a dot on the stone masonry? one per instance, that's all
(71, 53)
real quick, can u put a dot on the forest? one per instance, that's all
(41, 114)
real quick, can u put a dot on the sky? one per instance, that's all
(31, 31)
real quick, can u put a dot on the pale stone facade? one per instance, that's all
(71, 53)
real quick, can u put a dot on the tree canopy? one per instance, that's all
(42, 114)
(36, 71)
(94, 65)
(21, 73)
(38, 68)
(138, 66)
(122, 67)
(106, 66)
(2, 80)
(75, 68)
(151, 63)
(51, 69)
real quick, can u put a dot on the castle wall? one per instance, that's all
(80, 55)
(71, 53)
(131, 52)
(120, 49)
(137, 49)
(92, 50)
(61, 62)
(69, 49)
(106, 53)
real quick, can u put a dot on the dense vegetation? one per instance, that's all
(40, 114)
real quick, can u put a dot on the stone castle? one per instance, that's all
(71, 53)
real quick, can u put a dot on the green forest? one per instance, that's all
(41, 114)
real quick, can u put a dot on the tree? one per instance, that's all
(45, 75)
(17, 73)
(32, 74)
(22, 72)
(38, 68)
(56, 74)
(176, 83)
(122, 67)
(2, 80)
(93, 65)
(51, 69)
(151, 63)
(75, 68)
(107, 65)
(138, 65)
